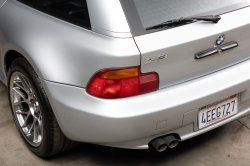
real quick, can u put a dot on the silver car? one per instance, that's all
(134, 74)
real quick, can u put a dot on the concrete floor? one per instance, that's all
(227, 145)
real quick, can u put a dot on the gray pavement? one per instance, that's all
(228, 145)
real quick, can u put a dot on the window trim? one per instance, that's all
(74, 21)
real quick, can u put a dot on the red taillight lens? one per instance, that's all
(118, 83)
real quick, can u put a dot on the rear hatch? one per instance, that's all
(179, 45)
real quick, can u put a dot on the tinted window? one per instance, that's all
(145, 13)
(74, 11)
(153, 12)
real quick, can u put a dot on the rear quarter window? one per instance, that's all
(73, 11)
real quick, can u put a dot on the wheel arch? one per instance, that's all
(10, 54)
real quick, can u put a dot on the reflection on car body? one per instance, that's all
(123, 73)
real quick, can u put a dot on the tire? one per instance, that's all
(32, 113)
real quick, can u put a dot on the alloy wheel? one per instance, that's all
(26, 109)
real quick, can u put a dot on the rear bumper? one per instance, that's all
(133, 122)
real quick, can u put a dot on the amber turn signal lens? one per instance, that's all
(116, 83)
(118, 74)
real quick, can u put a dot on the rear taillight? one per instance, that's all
(116, 83)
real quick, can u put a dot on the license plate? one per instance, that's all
(218, 111)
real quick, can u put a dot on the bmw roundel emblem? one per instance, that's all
(220, 40)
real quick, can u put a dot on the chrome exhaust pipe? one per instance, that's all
(171, 141)
(159, 144)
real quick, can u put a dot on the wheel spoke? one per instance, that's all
(31, 127)
(20, 93)
(26, 121)
(36, 132)
(19, 84)
(25, 83)
(18, 102)
(23, 113)
(40, 124)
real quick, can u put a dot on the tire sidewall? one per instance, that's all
(22, 66)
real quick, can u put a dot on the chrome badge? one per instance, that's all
(156, 58)
(150, 60)
(162, 57)
(220, 40)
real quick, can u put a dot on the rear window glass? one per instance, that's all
(145, 13)
(152, 12)
(74, 11)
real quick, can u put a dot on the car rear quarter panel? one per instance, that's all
(108, 15)
(59, 51)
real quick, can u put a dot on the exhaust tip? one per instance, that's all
(171, 141)
(159, 144)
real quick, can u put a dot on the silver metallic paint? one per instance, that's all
(245, 96)
(68, 54)
(112, 34)
(117, 121)
(108, 15)
(59, 51)
(182, 43)
(2, 3)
